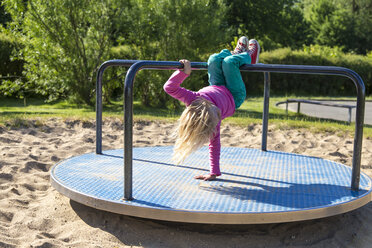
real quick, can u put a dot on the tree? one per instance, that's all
(64, 42)
(361, 11)
(295, 30)
(172, 30)
(4, 17)
(343, 23)
(275, 23)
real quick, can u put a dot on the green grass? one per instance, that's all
(14, 111)
(11, 109)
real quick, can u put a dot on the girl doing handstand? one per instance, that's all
(200, 121)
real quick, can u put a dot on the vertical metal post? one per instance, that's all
(128, 131)
(298, 107)
(101, 70)
(358, 138)
(128, 116)
(265, 115)
(99, 110)
(286, 107)
(349, 120)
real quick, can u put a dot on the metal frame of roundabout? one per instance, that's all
(258, 186)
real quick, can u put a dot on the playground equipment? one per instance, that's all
(258, 186)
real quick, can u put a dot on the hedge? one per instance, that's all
(149, 83)
(312, 85)
(148, 88)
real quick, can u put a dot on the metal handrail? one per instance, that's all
(316, 102)
(135, 66)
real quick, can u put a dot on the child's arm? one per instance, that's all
(173, 88)
(214, 157)
(214, 152)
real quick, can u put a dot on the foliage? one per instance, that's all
(64, 42)
(324, 51)
(12, 82)
(8, 67)
(172, 30)
(275, 23)
(313, 85)
(294, 31)
(4, 17)
(342, 23)
(369, 54)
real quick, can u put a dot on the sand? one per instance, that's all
(33, 214)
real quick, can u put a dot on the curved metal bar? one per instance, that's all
(360, 108)
(135, 66)
(101, 70)
(128, 113)
(127, 63)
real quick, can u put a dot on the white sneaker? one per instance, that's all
(242, 45)
(254, 50)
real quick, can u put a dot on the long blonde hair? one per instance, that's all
(196, 126)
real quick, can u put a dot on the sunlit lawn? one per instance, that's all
(249, 113)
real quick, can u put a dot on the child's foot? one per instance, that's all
(242, 45)
(208, 177)
(254, 51)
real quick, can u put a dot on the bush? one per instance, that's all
(160, 31)
(64, 43)
(319, 85)
(8, 66)
(11, 81)
(148, 85)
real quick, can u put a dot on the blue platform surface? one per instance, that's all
(253, 182)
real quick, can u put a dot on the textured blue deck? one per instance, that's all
(253, 181)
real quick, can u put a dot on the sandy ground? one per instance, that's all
(33, 214)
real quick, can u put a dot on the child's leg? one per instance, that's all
(215, 73)
(234, 81)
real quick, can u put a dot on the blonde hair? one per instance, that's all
(196, 126)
